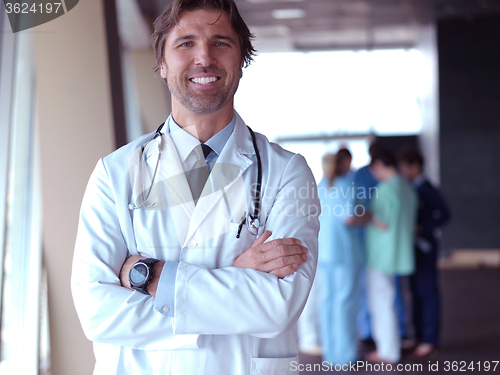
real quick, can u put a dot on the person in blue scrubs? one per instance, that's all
(364, 181)
(338, 264)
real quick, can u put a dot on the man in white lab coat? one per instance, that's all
(189, 258)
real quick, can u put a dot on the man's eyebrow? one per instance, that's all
(184, 37)
(194, 37)
(223, 37)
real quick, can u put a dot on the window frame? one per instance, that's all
(20, 206)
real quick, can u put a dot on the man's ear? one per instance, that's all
(163, 70)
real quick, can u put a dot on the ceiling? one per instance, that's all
(342, 24)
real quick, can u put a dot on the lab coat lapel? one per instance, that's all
(226, 179)
(175, 186)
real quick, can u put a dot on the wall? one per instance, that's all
(429, 104)
(75, 126)
(152, 93)
(469, 85)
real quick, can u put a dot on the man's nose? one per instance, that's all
(204, 55)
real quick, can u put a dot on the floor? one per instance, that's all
(470, 329)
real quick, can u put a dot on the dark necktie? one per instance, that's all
(206, 150)
(198, 176)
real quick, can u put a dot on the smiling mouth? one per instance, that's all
(204, 80)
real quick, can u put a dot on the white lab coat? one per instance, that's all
(227, 320)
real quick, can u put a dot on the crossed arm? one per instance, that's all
(264, 276)
(279, 257)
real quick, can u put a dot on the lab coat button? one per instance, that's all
(166, 309)
(192, 243)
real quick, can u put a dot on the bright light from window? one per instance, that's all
(326, 93)
(285, 14)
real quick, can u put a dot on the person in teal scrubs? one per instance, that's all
(389, 252)
(339, 263)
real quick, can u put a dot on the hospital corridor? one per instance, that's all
(298, 187)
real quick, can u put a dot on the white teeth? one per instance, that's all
(204, 80)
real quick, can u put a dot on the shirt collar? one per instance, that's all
(219, 140)
(185, 142)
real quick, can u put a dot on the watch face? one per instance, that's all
(138, 273)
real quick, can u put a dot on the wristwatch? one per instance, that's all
(141, 273)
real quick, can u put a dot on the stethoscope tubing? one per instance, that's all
(259, 175)
(252, 224)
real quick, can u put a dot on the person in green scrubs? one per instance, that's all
(389, 252)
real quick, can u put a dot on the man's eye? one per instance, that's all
(186, 44)
(221, 44)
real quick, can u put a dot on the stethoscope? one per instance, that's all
(251, 220)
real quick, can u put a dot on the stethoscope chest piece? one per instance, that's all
(253, 225)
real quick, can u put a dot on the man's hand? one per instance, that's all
(129, 262)
(281, 257)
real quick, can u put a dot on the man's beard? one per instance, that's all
(202, 103)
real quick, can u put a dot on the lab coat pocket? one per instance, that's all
(243, 232)
(275, 366)
(244, 235)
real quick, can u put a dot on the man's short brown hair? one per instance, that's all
(170, 17)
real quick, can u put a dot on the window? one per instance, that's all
(20, 212)
(323, 94)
